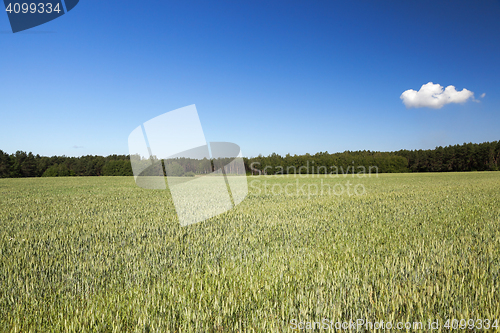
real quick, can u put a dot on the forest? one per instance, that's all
(466, 157)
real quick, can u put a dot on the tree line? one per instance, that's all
(467, 157)
(22, 164)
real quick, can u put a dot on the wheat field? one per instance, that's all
(99, 254)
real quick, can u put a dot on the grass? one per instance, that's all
(103, 255)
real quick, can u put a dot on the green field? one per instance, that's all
(100, 254)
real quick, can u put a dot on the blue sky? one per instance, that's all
(272, 76)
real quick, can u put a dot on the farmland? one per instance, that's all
(99, 254)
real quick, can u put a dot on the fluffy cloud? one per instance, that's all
(483, 94)
(433, 96)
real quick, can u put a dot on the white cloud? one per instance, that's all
(483, 94)
(433, 96)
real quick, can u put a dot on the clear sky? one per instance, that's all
(272, 76)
